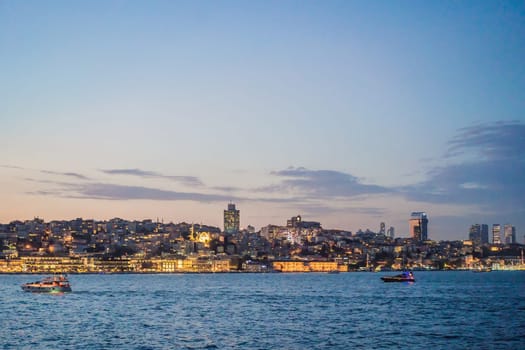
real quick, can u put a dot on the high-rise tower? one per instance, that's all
(496, 234)
(509, 234)
(418, 224)
(475, 234)
(479, 234)
(390, 232)
(232, 219)
(484, 233)
(382, 228)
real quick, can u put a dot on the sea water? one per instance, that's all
(441, 310)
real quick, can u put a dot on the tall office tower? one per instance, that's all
(509, 234)
(484, 234)
(382, 228)
(390, 232)
(475, 234)
(418, 224)
(232, 219)
(496, 234)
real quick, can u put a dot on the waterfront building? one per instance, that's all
(496, 234)
(12, 266)
(232, 219)
(509, 234)
(418, 226)
(50, 264)
(192, 264)
(307, 266)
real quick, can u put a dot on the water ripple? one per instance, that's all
(451, 310)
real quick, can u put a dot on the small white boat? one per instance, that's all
(55, 284)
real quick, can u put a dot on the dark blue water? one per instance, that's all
(442, 310)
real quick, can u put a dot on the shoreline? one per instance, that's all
(232, 272)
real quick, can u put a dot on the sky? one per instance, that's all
(349, 113)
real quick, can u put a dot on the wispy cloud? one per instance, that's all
(46, 193)
(485, 166)
(228, 189)
(46, 181)
(490, 141)
(49, 172)
(322, 183)
(133, 172)
(187, 180)
(318, 209)
(108, 191)
(68, 174)
(10, 166)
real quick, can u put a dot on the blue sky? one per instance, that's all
(347, 112)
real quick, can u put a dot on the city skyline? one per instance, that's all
(347, 113)
(417, 226)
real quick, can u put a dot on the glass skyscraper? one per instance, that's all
(509, 234)
(479, 234)
(496, 234)
(475, 234)
(418, 226)
(484, 233)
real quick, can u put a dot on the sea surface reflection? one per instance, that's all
(442, 310)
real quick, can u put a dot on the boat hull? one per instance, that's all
(46, 289)
(403, 277)
(56, 284)
(397, 279)
(482, 270)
